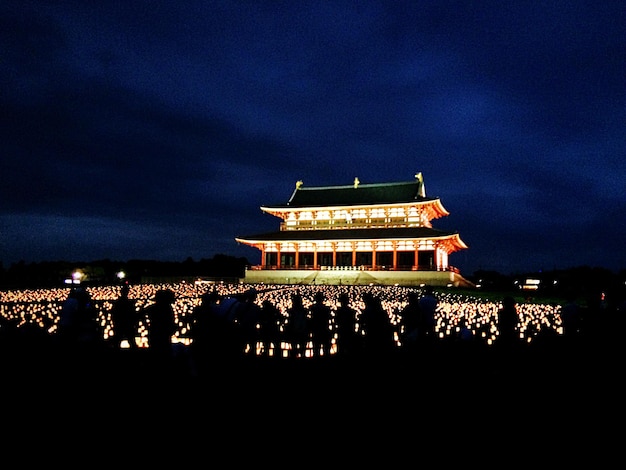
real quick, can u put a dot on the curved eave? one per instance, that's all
(433, 206)
(454, 243)
(250, 241)
(451, 241)
(437, 210)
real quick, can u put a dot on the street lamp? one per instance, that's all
(76, 277)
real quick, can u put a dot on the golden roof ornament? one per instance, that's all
(356, 182)
(298, 184)
(421, 188)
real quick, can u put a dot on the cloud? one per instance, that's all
(180, 120)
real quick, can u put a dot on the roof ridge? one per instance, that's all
(360, 185)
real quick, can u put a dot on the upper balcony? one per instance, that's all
(342, 224)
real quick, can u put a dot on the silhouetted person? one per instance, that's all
(270, 323)
(125, 319)
(410, 323)
(215, 342)
(346, 327)
(378, 331)
(427, 310)
(571, 319)
(507, 345)
(248, 315)
(321, 326)
(205, 331)
(465, 334)
(464, 341)
(78, 322)
(79, 333)
(508, 319)
(297, 326)
(161, 328)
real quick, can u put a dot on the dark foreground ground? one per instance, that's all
(588, 371)
(553, 403)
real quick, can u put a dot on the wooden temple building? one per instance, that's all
(357, 234)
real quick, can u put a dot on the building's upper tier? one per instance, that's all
(357, 194)
(400, 203)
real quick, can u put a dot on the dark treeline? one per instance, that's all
(580, 282)
(54, 273)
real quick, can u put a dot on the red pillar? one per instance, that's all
(374, 255)
(297, 255)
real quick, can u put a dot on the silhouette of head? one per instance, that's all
(165, 296)
(508, 302)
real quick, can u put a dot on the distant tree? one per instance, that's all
(492, 280)
(53, 273)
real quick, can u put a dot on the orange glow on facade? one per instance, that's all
(368, 227)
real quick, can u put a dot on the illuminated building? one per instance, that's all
(357, 234)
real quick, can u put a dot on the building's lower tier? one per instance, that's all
(356, 277)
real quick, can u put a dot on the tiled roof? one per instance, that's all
(361, 194)
(351, 234)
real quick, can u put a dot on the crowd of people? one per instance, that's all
(195, 330)
(259, 362)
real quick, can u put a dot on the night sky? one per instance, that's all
(156, 130)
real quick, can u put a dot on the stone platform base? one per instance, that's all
(355, 277)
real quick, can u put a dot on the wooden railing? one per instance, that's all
(354, 268)
(338, 224)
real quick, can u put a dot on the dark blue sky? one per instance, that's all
(156, 130)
